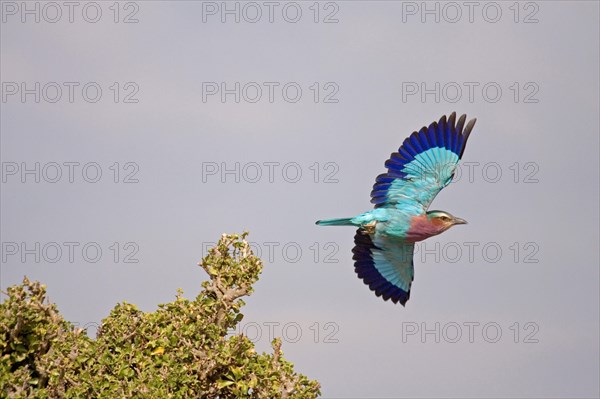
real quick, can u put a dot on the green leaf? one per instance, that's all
(224, 383)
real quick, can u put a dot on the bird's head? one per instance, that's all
(443, 220)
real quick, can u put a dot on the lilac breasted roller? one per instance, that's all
(386, 235)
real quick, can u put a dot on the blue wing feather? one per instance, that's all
(387, 268)
(423, 165)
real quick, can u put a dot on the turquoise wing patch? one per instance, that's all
(385, 265)
(423, 165)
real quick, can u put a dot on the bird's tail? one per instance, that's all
(336, 222)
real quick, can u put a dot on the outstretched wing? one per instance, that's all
(384, 264)
(423, 165)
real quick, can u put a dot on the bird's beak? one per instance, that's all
(460, 221)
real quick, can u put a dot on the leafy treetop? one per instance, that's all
(182, 350)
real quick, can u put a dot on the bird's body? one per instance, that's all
(422, 167)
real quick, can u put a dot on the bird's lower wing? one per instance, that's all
(384, 264)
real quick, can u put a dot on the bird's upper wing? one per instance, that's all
(423, 165)
(384, 264)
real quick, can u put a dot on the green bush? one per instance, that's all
(182, 350)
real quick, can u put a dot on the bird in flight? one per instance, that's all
(386, 235)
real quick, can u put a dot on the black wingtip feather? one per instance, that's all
(469, 128)
(452, 120)
(461, 123)
(466, 133)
